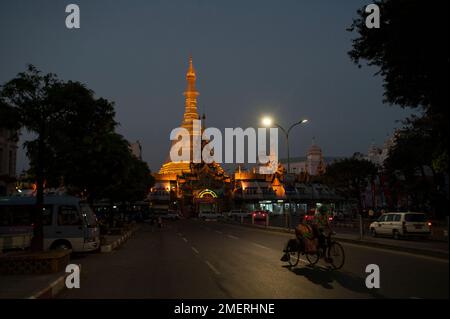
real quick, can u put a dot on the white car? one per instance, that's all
(206, 215)
(402, 224)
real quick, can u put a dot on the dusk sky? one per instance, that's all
(284, 58)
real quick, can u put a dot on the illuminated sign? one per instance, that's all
(207, 192)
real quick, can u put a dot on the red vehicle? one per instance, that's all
(309, 216)
(259, 215)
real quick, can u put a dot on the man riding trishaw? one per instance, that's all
(311, 235)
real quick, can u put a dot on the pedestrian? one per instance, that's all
(371, 214)
(159, 222)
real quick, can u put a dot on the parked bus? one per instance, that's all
(68, 223)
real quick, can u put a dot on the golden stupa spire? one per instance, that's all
(190, 112)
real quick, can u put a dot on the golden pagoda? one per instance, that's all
(190, 114)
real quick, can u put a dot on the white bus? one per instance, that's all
(68, 223)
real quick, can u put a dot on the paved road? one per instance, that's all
(196, 259)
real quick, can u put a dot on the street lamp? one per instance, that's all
(268, 122)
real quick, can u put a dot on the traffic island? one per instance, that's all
(34, 263)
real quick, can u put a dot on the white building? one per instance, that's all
(378, 155)
(313, 164)
(8, 156)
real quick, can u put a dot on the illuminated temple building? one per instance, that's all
(195, 187)
(187, 186)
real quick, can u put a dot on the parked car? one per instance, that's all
(259, 214)
(402, 224)
(209, 215)
(68, 222)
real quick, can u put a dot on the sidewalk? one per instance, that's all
(49, 285)
(30, 286)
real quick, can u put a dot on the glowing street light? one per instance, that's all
(267, 121)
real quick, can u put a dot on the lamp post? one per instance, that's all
(268, 122)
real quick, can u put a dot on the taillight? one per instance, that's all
(330, 218)
(429, 224)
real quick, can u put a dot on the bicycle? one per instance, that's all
(331, 251)
(295, 249)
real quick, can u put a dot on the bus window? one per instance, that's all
(69, 215)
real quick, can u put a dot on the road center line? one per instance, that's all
(185, 239)
(195, 250)
(232, 237)
(212, 267)
(260, 246)
(218, 231)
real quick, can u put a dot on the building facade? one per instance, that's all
(192, 188)
(186, 186)
(313, 163)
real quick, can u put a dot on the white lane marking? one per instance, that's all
(185, 239)
(218, 231)
(195, 250)
(179, 234)
(260, 246)
(212, 267)
(232, 237)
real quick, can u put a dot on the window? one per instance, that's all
(397, 217)
(390, 217)
(69, 215)
(418, 218)
(88, 215)
(382, 218)
(22, 215)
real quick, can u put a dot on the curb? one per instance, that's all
(418, 251)
(51, 290)
(59, 284)
(118, 242)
